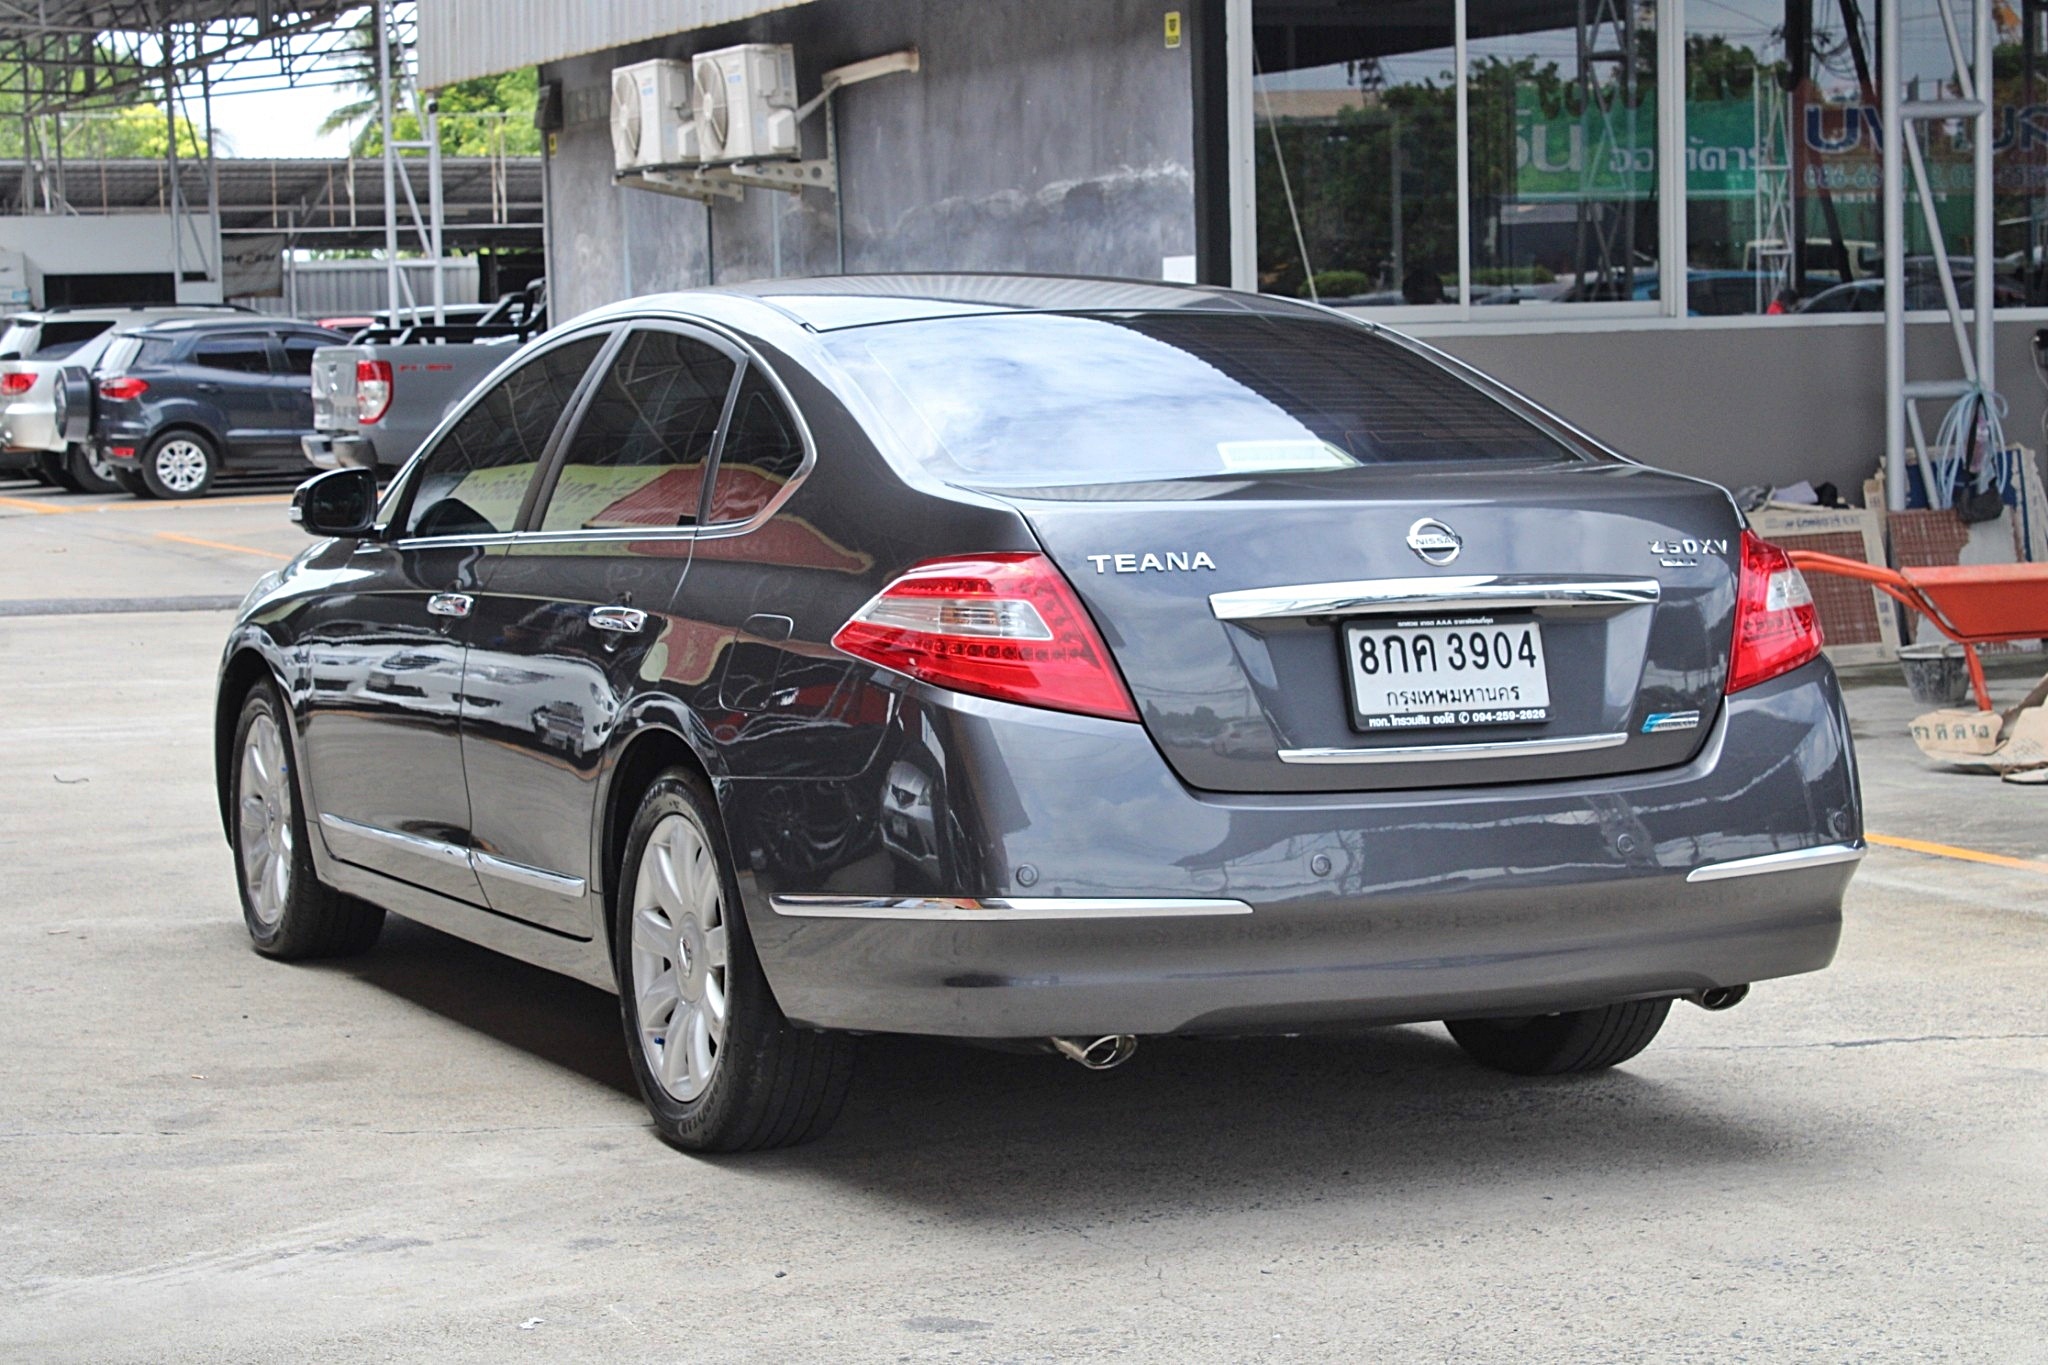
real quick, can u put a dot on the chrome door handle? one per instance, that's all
(456, 604)
(624, 620)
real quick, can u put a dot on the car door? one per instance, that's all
(382, 653)
(574, 619)
(230, 374)
(291, 387)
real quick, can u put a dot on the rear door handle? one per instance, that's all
(624, 620)
(207, 388)
(456, 604)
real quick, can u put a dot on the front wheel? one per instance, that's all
(1553, 1044)
(719, 1066)
(288, 911)
(180, 464)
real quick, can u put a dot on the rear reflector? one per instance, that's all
(123, 388)
(121, 452)
(16, 382)
(1776, 626)
(373, 389)
(1006, 626)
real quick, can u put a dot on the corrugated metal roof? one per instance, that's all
(461, 39)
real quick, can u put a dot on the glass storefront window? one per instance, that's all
(1564, 151)
(1356, 145)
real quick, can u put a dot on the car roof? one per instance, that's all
(828, 303)
(124, 311)
(246, 322)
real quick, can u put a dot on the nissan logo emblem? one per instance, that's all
(1434, 542)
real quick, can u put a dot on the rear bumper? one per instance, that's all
(1380, 908)
(29, 425)
(324, 451)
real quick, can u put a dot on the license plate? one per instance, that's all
(1479, 670)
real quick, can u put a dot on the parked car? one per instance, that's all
(1923, 291)
(35, 349)
(377, 398)
(1009, 658)
(181, 402)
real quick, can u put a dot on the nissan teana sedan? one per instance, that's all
(1021, 659)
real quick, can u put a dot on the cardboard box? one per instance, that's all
(1993, 741)
(1858, 622)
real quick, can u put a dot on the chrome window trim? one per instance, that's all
(970, 910)
(1458, 753)
(532, 878)
(716, 531)
(1796, 860)
(1461, 592)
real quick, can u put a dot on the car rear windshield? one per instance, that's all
(60, 339)
(1050, 398)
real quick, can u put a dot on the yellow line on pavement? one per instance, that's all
(1966, 855)
(196, 505)
(25, 505)
(219, 545)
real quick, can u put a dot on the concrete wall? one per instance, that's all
(1053, 137)
(1770, 402)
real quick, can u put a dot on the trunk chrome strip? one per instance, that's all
(957, 909)
(1796, 860)
(1461, 592)
(1448, 753)
(533, 878)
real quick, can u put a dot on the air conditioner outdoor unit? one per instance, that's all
(651, 118)
(746, 103)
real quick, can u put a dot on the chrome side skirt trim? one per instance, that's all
(412, 843)
(1797, 860)
(533, 878)
(1458, 592)
(964, 909)
(1458, 753)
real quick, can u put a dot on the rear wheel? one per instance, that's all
(91, 472)
(289, 913)
(51, 469)
(1553, 1044)
(180, 464)
(719, 1066)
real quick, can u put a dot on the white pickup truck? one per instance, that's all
(377, 398)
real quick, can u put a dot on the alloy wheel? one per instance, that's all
(266, 820)
(181, 466)
(679, 957)
(101, 466)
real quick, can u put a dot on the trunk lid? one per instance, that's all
(1259, 621)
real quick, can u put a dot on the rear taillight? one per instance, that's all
(373, 389)
(124, 388)
(1006, 626)
(14, 383)
(1776, 626)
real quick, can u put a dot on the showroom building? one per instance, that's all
(1662, 217)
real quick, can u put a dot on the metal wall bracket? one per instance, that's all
(706, 183)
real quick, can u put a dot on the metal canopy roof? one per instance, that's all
(462, 39)
(489, 201)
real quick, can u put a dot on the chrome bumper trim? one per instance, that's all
(1461, 592)
(1796, 860)
(1454, 753)
(968, 910)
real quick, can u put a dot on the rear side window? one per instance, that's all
(762, 452)
(298, 352)
(62, 338)
(638, 455)
(245, 355)
(473, 480)
(1047, 398)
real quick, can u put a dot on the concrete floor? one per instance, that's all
(434, 1153)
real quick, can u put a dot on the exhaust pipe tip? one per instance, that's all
(1718, 998)
(1106, 1053)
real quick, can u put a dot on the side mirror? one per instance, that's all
(341, 502)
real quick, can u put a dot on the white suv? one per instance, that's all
(35, 348)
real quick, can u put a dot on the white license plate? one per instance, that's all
(1411, 675)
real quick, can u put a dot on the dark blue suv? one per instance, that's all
(182, 402)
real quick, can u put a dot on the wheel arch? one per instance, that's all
(243, 669)
(650, 750)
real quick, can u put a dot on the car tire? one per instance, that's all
(131, 481)
(1554, 1044)
(738, 1075)
(50, 468)
(180, 464)
(90, 472)
(290, 914)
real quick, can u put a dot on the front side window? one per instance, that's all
(1048, 399)
(638, 454)
(474, 480)
(244, 355)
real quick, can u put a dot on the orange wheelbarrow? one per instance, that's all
(1972, 604)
